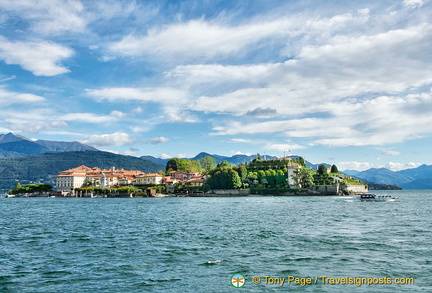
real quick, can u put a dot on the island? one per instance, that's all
(285, 176)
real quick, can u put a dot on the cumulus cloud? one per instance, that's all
(159, 140)
(369, 122)
(113, 139)
(41, 58)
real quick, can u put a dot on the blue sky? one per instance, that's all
(343, 82)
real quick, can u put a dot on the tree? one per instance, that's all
(225, 164)
(224, 178)
(334, 169)
(208, 163)
(301, 161)
(322, 169)
(184, 165)
(303, 177)
(242, 172)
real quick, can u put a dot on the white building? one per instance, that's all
(152, 178)
(70, 179)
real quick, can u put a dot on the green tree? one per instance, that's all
(224, 178)
(304, 177)
(184, 165)
(242, 172)
(301, 161)
(225, 164)
(208, 163)
(334, 169)
(175, 164)
(322, 169)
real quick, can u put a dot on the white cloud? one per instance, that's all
(88, 117)
(118, 114)
(283, 146)
(36, 126)
(353, 123)
(138, 110)
(159, 140)
(202, 40)
(390, 153)
(413, 3)
(49, 16)
(12, 77)
(9, 97)
(113, 139)
(362, 166)
(401, 166)
(358, 166)
(196, 37)
(240, 140)
(158, 95)
(41, 58)
(234, 153)
(173, 100)
(180, 156)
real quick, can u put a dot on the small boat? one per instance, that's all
(374, 197)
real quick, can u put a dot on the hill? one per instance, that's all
(12, 146)
(44, 167)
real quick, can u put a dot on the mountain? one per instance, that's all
(12, 146)
(421, 172)
(351, 172)
(383, 176)
(10, 137)
(236, 159)
(419, 184)
(44, 167)
(158, 161)
(415, 178)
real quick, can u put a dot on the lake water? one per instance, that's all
(198, 244)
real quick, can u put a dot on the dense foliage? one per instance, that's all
(224, 176)
(184, 165)
(31, 188)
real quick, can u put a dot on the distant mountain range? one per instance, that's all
(416, 178)
(12, 146)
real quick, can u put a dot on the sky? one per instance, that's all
(341, 82)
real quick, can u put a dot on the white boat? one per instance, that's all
(374, 197)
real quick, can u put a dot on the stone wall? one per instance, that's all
(229, 191)
(354, 189)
